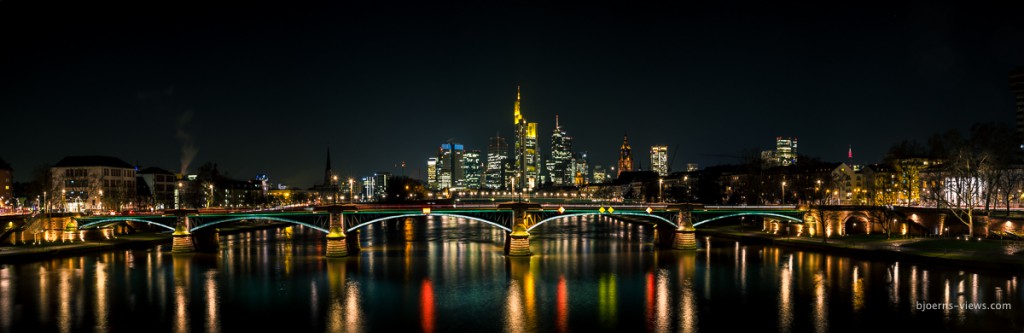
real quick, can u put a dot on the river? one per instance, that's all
(445, 274)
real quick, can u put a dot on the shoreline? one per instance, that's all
(30, 253)
(947, 259)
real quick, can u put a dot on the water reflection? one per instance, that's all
(445, 275)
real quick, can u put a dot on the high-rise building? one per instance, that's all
(559, 167)
(785, 151)
(1017, 88)
(380, 181)
(432, 174)
(449, 165)
(625, 156)
(579, 169)
(659, 160)
(497, 156)
(472, 169)
(527, 153)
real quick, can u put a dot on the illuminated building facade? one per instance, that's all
(449, 165)
(600, 175)
(83, 183)
(659, 160)
(579, 169)
(497, 157)
(625, 156)
(472, 169)
(559, 166)
(527, 153)
(432, 173)
(785, 151)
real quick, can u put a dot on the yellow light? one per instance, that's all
(611, 210)
(426, 210)
(601, 210)
(649, 210)
(561, 209)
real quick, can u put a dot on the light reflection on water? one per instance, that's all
(441, 274)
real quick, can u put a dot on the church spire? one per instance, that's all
(556, 123)
(328, 173)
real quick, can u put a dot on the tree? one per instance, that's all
(882, 195)
(819, 196)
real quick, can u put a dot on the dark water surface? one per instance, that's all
(441, 274)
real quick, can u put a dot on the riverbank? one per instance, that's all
(28, 252)
(985, 254)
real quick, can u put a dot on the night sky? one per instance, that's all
(265, 88)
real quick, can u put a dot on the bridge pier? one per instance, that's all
(685, 237)
(182, 242)
(517, 243)
(337, 239)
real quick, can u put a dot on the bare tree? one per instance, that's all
(883, 195)
(963, 185)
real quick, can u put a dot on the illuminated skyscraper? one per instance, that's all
(659, 160)
(497, 156)
(559, 167)
(527, 153)
(432, 174)
(449, 165)
(579, 169)
(625, 156)
(472, 169)
(785, 151)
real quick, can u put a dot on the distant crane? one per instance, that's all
(675, 151)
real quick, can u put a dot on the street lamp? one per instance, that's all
(783, 201)
(660, 198)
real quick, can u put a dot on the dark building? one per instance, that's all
(155, 187)
(329, 187)
(6, 181)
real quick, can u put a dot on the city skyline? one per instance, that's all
(385, 86)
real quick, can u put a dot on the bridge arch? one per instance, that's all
(116, 220)
(535, 225)
(786, 217)
(431, 214)
(268, 218)
(850, 225)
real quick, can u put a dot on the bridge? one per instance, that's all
(342, 222)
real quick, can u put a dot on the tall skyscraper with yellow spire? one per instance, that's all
(527, 152)
(625, 156)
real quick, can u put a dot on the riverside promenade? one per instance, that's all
(57, 249)
(1003, 255)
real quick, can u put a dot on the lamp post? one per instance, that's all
(660, 198)
(783, 201)
(351, 194)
